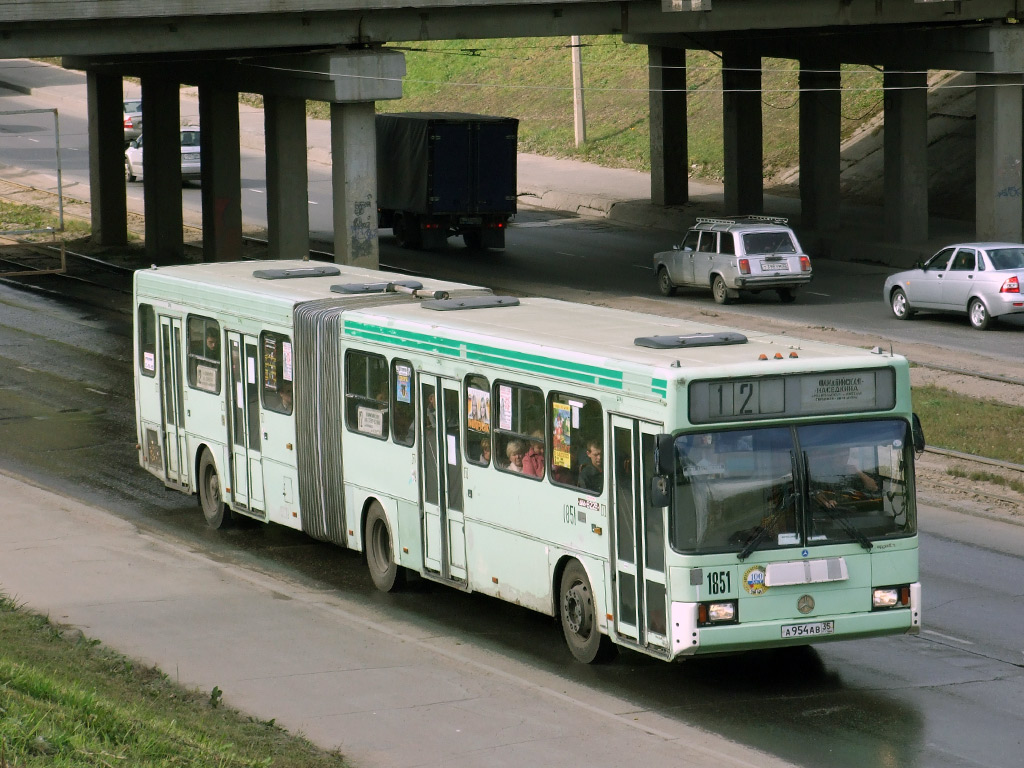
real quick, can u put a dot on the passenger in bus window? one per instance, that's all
(212, 344)
(591, 473)
(515, 450)
(285, 393)
(483, 452)
(533, 460)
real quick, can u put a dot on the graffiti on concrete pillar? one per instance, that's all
(363, 229)
(1009, 176)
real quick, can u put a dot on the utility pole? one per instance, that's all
(579, 118)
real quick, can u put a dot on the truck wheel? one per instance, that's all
(406, 230)
(473, 239)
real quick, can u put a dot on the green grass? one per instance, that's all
(986, 477)
(17, 216)
(531, 79)
(980, 427)
(67, 702)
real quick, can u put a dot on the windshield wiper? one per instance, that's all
(847, 526)
(762, 531)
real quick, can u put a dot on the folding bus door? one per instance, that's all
(172, 390)
(246, 459)
(638, 549)
(444, 536)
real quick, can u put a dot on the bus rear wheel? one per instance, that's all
(579, 620)
(214, 509)
(380, 559)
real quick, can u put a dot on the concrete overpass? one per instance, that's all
(331, 50)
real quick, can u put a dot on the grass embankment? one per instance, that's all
(531, 79)
(67, 702)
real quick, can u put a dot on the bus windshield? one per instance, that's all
(772, 487)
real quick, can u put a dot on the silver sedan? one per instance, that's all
(981, 280)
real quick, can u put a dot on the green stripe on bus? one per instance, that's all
(484, 353)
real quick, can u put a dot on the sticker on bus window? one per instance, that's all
(251, 369)
(403, 391)
(561, 439)
(453, 451)
(206, 377)
(479, 410)
(149, 361)
(505, 404)
(286, 351)
(370, 421)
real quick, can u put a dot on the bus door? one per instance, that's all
(246, 467)
(444, 536)
(172, 389)
(638, 550)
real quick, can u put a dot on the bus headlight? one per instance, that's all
(890, 597)
(723, 612)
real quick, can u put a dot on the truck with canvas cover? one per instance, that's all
(441, 174)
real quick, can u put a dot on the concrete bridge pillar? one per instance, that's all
(105, 93)
(905, 148)
(998, 151)
(284, 121)
(354, 182)
(670, 168)
(819, 144)
(162, 178)
(222, 174)
(742, 132)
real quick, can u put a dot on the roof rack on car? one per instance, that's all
(744, 219)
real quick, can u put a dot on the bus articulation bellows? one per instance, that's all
(672, 487)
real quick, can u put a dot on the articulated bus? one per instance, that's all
(658, 484)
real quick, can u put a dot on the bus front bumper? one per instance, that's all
(688, 639)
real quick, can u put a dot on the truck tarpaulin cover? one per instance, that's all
(446, 162)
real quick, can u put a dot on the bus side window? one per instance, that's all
(520, 424)
(402, 405)
(577, 437)
(278, 372)
(204, 354)
(366, 400)
(478, 420)
(147, 340)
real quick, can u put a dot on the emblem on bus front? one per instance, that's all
(805, 604)
(753, 580)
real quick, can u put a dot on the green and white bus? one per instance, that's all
(672, 487)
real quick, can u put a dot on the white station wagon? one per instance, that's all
(746, 253)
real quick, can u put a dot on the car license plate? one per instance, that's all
(774, 266)
(809, 630)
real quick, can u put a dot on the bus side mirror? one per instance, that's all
(918, 432)
(659, 495)
(665, 458)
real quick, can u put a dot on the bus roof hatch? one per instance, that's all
(471, 302)
(289, 274)
(718, 339)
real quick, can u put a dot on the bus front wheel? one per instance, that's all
(214, 509)
(579, 620)
(380, 560)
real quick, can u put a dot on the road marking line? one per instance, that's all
(946, 637)
(826, 295)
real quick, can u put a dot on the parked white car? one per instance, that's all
(190, 157)
(746, 253)
(981, 280)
